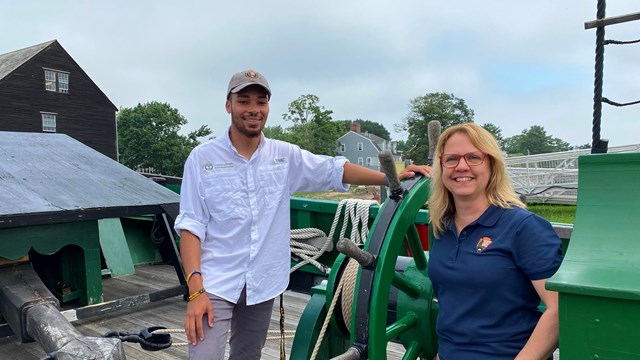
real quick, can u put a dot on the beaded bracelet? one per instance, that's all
(196, 294)
(193, 273)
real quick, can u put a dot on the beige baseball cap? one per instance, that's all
(246, 78)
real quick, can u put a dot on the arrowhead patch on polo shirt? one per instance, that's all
(483, 244)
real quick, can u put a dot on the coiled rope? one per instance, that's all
(356, 212)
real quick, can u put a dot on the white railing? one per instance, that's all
(551, 178)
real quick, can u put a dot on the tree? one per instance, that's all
(305, 109)
(312, 127)
(276, 132)
(445, 108)
(148, 138)
(495, 131)
(372, 127)
(534, 141)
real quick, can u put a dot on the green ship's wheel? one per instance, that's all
(394, 229)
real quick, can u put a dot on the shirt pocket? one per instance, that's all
(273, 184)
(223, 194)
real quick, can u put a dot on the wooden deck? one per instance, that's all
(168, 313)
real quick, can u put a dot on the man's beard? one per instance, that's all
(250, 133)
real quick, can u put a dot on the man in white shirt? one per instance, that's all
(234, 222)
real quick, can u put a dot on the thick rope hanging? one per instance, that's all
(347, 284)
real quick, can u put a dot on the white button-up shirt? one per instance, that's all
(239, 209)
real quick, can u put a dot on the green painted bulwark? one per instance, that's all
(599, 279)
(593, 327)
(66, 256)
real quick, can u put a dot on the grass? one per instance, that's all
(554, 213)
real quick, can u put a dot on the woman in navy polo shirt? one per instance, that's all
(491, 258)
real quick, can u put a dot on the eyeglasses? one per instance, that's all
(473, 159)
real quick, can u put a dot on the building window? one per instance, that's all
(55, 80)
(50, 80)
(369, 161)
(48, 122)
(63, 82)
(360, 146)
(343, 147)
(360, 161)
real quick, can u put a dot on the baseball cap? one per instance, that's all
(246, 78)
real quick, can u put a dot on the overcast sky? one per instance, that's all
(515, 63)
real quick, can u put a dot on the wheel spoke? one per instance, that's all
(413, 240)
(400, 326)
(405, 285)
(413, 350)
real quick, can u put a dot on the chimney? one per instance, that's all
(355, 127)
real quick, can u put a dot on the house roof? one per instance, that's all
(11, 61)
(368, 135)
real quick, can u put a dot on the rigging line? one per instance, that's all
(617, 42)
(605, 100)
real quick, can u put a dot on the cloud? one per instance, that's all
(515, 64)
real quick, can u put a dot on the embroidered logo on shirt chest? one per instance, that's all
(483, 243)
(210, 166)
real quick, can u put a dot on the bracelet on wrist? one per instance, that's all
(196, 294)
(193, 273)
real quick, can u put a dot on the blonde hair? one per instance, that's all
(499, 190)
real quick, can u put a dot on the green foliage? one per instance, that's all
(534, 141)
(306, 109)
(148, 138)
(276, 132)
(313, 128)
(445, 108)
(372, 127)
(317, 138)
(495, 131)
(402, 146)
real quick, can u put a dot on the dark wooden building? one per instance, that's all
(42, 89)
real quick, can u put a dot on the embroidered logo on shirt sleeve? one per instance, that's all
(482, 244)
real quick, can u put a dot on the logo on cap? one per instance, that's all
(250, 74)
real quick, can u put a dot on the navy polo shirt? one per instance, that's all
(482, 279)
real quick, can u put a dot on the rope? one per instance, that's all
(347, 281)
(356, 212)
(359, 230)
(283, 352)
(618, 42)
(605, 100)
(349, 276)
